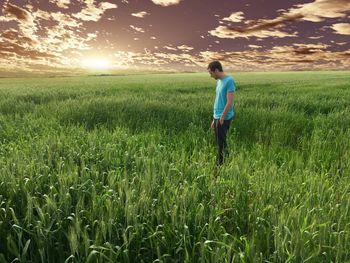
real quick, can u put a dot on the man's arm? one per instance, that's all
(212, 125)
(228, 105)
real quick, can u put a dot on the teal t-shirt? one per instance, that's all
(223, 86)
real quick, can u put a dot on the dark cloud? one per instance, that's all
(259, 25)
(302, 61)
(18, 12)
(8, 49)
(15, 37)
(304, 51)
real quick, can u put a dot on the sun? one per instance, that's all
(96, 63)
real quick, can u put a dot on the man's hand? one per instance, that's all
(222, 121)
(212, 124)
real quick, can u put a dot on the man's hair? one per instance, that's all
(215, 65)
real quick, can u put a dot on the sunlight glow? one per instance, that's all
(96, 63)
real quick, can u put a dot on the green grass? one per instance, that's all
(122, 169)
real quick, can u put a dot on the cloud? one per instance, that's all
(166, 2)
(65, 33)
(254, 46)
(18, 12)
(277, 58)
(169, 48)
(298, 50)
(40, 14)
(13, 36)
(92, 12)
(141, 14)
(43, 38)
(308, 49)
(137, 29)
(299, 56)
(234, 17)
(315, 11)
(341, 28)
(25, 19)
(261, 28)
(231, 32)
(316, 37)
(65, 20)
(61, 3)
(185, 48)
(312, 46)
(24, 53)
(157, 60)
(318, 10)
(60, 38)
(14, 50)
(181, 48)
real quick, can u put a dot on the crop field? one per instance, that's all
(122, 169)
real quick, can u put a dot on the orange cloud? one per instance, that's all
(298, 56)
(166, 2)
(320, 9)
(236, 32)
(341, 28)
(14, 50)
(235, 17)
(280, 58)
(61, 3)
(137, 29)
(185, 48)
(141, 14)
(12, 35)
(169, 47)
(254, 46)
(26, 23)
(316, 37)
(315, 12)
(52, 45)
(92, 12)
(65, 20)
(17, 12)
(39, 38)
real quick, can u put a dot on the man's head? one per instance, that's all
(215, 69)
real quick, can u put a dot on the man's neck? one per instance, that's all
(221, 75)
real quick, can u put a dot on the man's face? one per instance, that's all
(212, 74)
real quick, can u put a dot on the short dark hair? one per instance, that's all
(215, 65)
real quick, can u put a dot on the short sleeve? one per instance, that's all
(231, 86)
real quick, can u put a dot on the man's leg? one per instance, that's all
(221, 134)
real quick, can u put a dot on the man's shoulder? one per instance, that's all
(229, 79)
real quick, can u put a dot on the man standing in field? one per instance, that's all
(223, 107)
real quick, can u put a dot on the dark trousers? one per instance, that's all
(220, 137)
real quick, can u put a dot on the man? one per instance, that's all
(223, 107)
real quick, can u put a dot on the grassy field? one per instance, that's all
(122, 169)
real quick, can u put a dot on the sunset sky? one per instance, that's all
(54, 35)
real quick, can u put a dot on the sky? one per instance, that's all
(245, 35)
